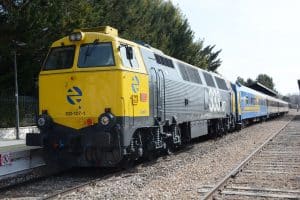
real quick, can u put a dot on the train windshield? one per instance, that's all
(60, 58)
(96, 55)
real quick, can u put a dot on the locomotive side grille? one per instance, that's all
(177, 92)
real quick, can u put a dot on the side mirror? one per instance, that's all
(129, 53)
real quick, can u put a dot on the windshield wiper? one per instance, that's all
(88, 51)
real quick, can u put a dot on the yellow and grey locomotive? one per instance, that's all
(104, 100)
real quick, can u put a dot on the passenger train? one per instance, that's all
(104, 101)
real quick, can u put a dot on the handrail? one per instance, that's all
(157, 89)
(164, 92)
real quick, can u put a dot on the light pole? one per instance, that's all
(299, 96)
(16, 95)
(17, 44)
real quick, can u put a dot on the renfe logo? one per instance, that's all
(74, 95)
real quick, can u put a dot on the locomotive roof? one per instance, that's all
(159, 52)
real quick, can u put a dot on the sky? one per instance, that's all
(256, 36)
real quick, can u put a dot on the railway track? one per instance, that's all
(239, 190)
(105, 175)
(29, 176)
(272, 171)
(76, 183)
(67, 182)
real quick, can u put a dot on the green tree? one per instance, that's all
(39, 22)
(211, 58)
(266, 81)
(240, 80)
(249, 82)
(161, 25)
(26, 22)
(286, 98)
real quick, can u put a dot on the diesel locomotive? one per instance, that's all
(104, 100)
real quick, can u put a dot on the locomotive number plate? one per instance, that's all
(76, 113)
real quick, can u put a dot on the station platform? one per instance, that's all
(10, 142)
(9, 145)
(16, 157)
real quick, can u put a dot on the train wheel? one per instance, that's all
(126, 163)
(150, 155)
(169, 149)
(150, 151)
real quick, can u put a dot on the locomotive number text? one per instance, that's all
(76, 113)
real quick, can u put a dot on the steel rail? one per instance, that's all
(114, 172)
(32, 175)
(235, 171)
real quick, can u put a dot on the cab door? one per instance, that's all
(156, 85)
(135, 83)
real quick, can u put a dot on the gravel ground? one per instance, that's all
(274, 173)
(40, 188)
(179, 176)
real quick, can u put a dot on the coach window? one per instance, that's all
(253, 101)
(126, 62)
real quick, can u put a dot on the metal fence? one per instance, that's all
(27, 105)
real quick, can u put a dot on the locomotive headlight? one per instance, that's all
(106, 120)
(41, 122)
(44, 121)
(76, 36)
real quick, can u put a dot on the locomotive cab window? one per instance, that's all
(60, 58)
(127, 62)
(96, 55)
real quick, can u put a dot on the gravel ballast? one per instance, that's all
(179, 176)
